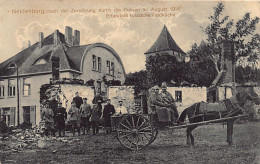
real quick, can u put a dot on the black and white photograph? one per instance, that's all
(129, 81)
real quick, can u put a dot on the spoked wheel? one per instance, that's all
(155, 134)
(135, 132)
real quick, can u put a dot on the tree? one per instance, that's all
(221, 28)
(137, 79)
(164, 67)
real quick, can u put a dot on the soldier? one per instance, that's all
(109, 110)
(157, 104)
(60, 117)
(48, 118)
(96, 114)
(169, 101)
(78, 100)
(85, 111)
(74, 118)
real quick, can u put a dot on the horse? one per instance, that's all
(234, 106)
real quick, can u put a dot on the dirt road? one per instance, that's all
(169, 147)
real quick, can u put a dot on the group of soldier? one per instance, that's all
(82, 116)
(162, 105)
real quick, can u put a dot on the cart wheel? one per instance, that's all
(135, 132)
(155, 134)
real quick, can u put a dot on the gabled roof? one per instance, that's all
(164, 42)
(26, 59)
(71, 57)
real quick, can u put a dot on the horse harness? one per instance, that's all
(231, 105)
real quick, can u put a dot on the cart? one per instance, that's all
(137, 131)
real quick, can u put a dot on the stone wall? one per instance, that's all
(190, 95)
(125, 93)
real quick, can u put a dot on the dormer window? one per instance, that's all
(12, 65)
(41, 61)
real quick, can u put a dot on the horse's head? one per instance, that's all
(250, 95)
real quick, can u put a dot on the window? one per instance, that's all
(26, 86)
(178, 96)
(41, 61)
(94, 67)
(108, 67)
(112, 69)
(2, 89)
(12, 65)
(99, 64)
(11, 87)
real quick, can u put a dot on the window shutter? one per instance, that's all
(33, 115)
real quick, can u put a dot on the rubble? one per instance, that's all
(29, 139)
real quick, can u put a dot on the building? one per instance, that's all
(166, 44)
(223, 86)
(56, 56)
(184, 95)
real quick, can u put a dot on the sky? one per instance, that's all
(129, 36)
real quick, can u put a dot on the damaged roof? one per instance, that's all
(27, 60)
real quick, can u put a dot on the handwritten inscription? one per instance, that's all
(141, 12)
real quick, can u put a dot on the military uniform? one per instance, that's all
(47, 116)
(109, 110)
(74, 119)
(60, 117)
(85, 111)
(96, 114)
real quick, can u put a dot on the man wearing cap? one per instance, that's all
(74, 118)
(47, 116)
(169, 101)
(121, 109)
(109, 110)
(96, 114)
(60, 116)
(157, 104)
(78, 100)
(85, 111)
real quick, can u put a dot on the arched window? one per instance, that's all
(12, 65)
(40, 61)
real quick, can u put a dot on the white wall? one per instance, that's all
(190, 95)
(105, 55)
(126, 93)
(69, 91)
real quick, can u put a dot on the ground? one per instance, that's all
(169, 147)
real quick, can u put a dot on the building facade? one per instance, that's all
(22, 75)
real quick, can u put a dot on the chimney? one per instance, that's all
(76, 41)
(68, 35)
(40, 39)
(29, 43)
(228, 60)
(55, 68)
(56, 38)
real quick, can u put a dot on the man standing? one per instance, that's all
(47, 116)
(74, 118)
(85, 111)
(78, 100)
(121, 109)
(169, 101)
(60, 117)
(109, 110)
(96, 114)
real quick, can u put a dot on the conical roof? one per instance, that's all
(164, 42)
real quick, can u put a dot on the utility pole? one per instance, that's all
(18, 97)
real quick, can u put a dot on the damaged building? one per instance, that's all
(54, 57)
